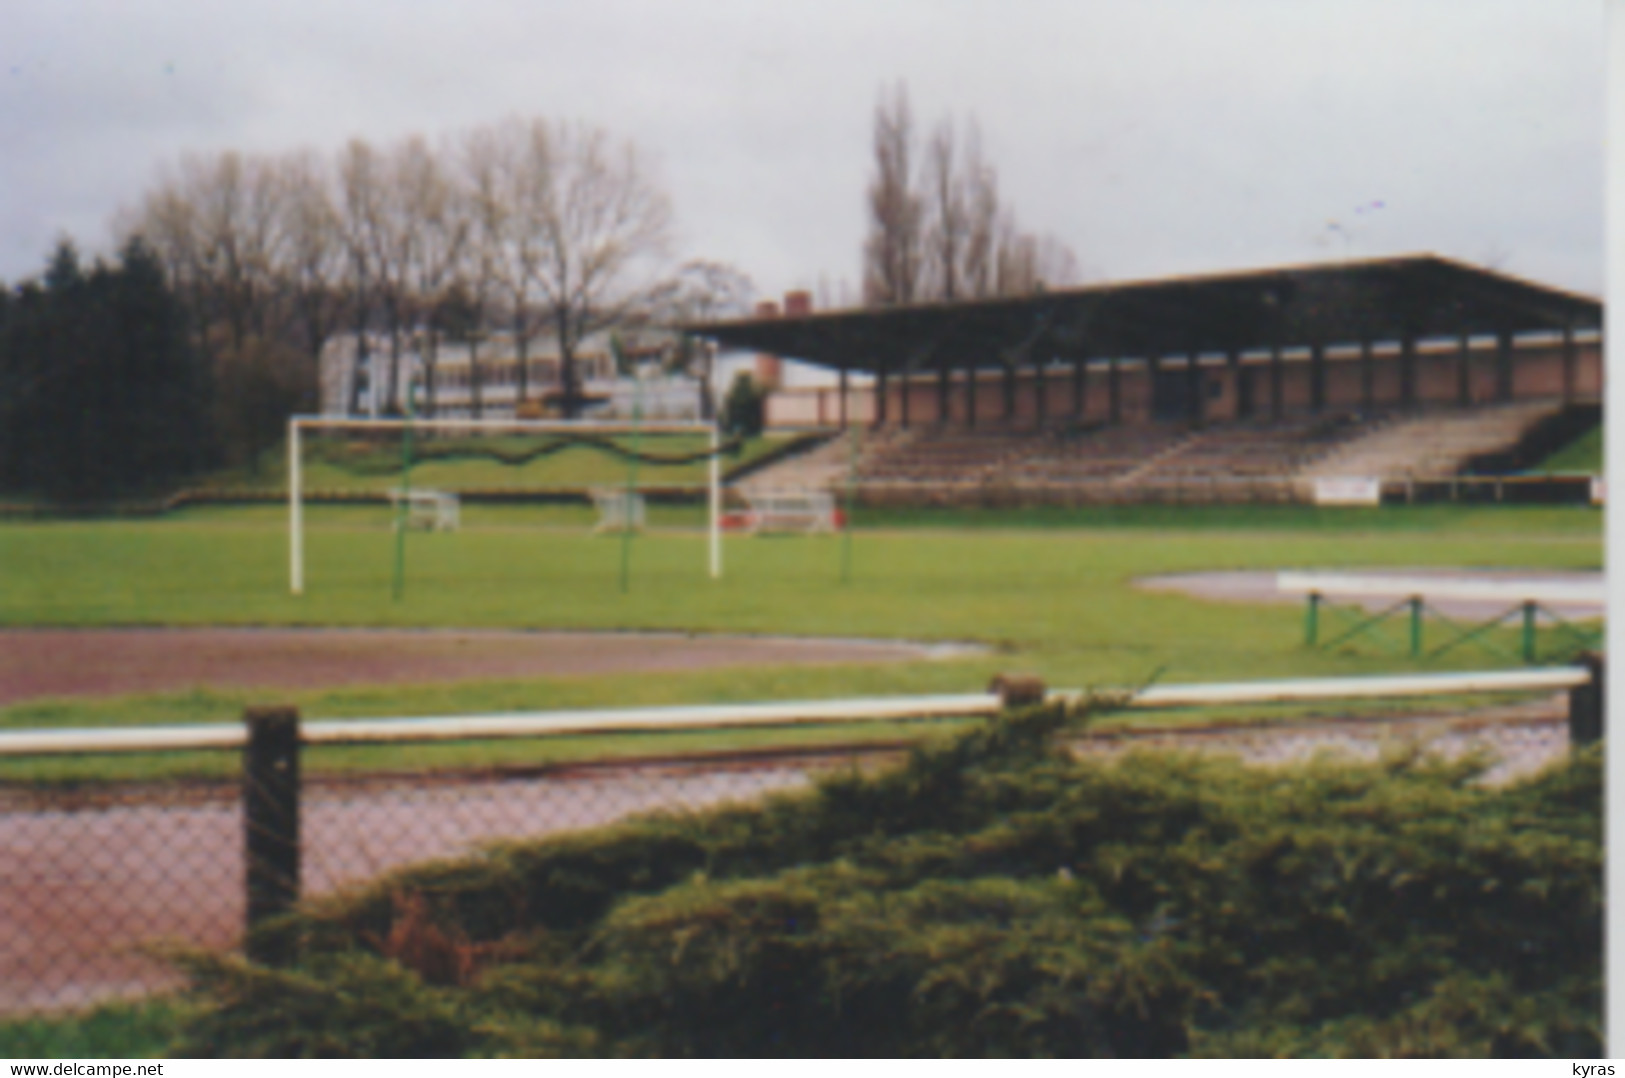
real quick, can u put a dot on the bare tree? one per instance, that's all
(527, 164)
(981, 217)
(213, 222)
(948, 215)
(485, 170)
(604, 228)
(952, 237)
(361, 186)
(428, 208)
(701, 291)
(382, 236)
(311, 251)
(891, 253)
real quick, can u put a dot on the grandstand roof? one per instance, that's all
(1347, 302)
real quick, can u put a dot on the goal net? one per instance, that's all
(426, 470)
(789, 510)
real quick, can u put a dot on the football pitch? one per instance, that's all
(1048, 592)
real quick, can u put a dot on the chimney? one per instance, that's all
(799, 302)
(769, 373)
(767, 309)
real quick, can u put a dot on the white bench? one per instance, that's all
(429, 510)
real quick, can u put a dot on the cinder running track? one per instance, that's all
(100, 662)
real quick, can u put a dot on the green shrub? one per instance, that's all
(993, 896)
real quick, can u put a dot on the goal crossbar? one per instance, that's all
(298, 424)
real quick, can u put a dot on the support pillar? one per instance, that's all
(1407, 371)
(1153, 373)
(1368, 378)
(1503, 366)
(1114, 392)
(1317, 378)
(1079, 388)
(1194, 401)
(1232, 369)
(970, 394)
(843, 392)
(1009, 393)
(1040, 394)
(1276, 380)
(1464, 371)
(905, 382)
(1569, 363)
(881, 391)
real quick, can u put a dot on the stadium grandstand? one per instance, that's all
(1245, 386)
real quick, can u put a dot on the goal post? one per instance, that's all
(300, 427)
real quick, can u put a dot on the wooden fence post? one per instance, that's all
(1586, 703)
(271, 822)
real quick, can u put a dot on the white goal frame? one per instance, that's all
(790, 510)
(301, 423)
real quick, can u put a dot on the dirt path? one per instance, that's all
(100, 662)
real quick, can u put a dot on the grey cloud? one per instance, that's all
(1157, 136)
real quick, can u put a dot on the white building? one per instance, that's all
(608, 394)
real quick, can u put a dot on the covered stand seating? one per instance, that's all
(1251, 375)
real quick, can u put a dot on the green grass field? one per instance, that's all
(1049, 592)
(1584, 454)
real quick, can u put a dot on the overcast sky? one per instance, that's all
(1153, 136)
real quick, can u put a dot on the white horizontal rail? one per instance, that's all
(712, 716)
(517, 724)
(1510, 591)
(1354, 688)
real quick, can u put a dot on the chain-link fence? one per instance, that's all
(96, 881)
(98, 877)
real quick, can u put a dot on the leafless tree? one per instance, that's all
(312, 254)
(428, 207)
(948, 215)
(361, 187)
(382, 236)
(213, 222)
(892, 251)
(981, 217)
(701, 291)
(951, 237)
(486, 166)
(604, 227)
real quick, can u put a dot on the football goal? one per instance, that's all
(427, 468)
(798, 510)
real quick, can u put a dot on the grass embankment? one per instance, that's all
(991, 897)
(1584, 454)
(332, 462)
